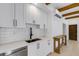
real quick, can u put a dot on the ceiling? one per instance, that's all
(68, 10)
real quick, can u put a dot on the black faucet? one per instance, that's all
(31, 33)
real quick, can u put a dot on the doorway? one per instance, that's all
(73, 32)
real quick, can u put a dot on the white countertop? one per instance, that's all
(11, 46)
(14, 45)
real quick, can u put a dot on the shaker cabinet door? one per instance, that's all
(6, 15)
(32, 51)
(19, 14)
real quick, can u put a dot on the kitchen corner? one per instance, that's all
(24, 22)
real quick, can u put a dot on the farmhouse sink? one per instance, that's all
(33, 40)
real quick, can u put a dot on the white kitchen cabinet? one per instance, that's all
(45, 47)
(39, 48)
(28, 13)
(31, 14)
(32, 51)
(23, 13)
(42, 49)
(43, 20)
(49, 46)
(10, 12)
(19, 14)
(6, 14)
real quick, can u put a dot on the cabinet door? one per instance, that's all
(6, 15)
(28, 13)
(42, 20)
(32, 51)
(45, 47)
(19, 14)
(45, 21)
(42, 51)
(39, 49)
(49, 46)
(35, 49)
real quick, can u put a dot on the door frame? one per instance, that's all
(64, 29)
(77, 30)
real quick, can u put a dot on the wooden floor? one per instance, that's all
(72, 49)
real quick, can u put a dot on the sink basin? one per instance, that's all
(33, 40)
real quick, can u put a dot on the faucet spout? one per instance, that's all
(31, 33)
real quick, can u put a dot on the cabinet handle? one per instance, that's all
(38, 45)
(14, 22)
(48, 42)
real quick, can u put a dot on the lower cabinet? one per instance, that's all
(32, 49)
(49, 46)
(40, 48)
(45, 47)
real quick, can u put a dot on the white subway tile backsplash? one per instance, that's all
(16, 34)
(12, 34)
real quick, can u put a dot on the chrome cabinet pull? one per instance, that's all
(48, 42)
(38, 45)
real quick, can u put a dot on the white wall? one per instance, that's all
(57, 25)
(71, 22)
(8, 34)
(54, 25)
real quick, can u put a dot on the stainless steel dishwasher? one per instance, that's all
(17, 52)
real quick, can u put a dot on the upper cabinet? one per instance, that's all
(31, 14)
(6, 15)
(34, 14)
(19, 14)
(28, 13)
(12, 15)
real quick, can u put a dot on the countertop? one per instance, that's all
(14, 45)
(11, 46)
